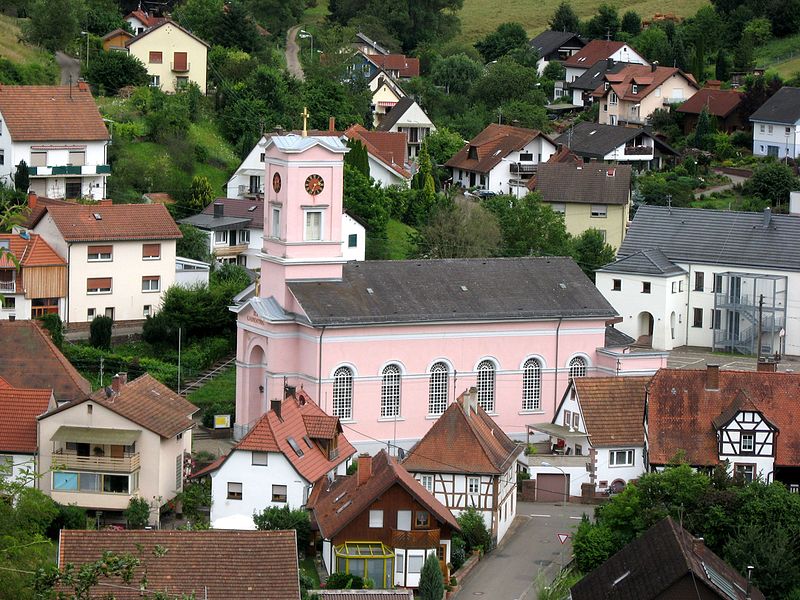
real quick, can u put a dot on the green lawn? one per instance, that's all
(778, 52)
(307, 568)
(220, 390)
(397, 235)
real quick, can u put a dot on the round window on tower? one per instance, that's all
(314, 184)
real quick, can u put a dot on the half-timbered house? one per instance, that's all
(466, 461)
(381, 523)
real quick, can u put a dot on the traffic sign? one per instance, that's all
(563, 537)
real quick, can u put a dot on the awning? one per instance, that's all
(95, 435)
(557, 430)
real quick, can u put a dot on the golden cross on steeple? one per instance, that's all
(305, 114)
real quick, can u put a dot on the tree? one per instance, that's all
(194, 244)
(283, 518)
(459, 230)
(772, 181)
(431, 583)
(103, 16)
(591, 252)
(529, 226)
(358, 158)
(702, 130)
(54, 24)
(504, 39)
(474, 531)
(201, 193)
(108, 72)
(745, 56)
(276, 15)
(507, 80)
(442, 145)
(699, 61)
(653, 44)
(22, 177)
(759, 30)
(722, 66)
(137, 514)
(565, 18)
(55, 327)
(605, 24)
(631, 23)
(100, 332)
(455, 73)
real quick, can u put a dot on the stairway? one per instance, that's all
(215, 370)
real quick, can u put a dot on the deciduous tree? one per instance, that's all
(591, 251)
(504, 39)
(108, 72)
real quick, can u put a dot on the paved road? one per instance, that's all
(734, 180)
(510, 571)
(293, 53)
(688, 357)
(69, 67)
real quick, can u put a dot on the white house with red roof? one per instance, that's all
(140, 20)
(386, 154)
(289, 448)
(597, 50)
(59, 133)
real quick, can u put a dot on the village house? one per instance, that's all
(383, 331)
(580, 89)
(397, 66)
(140, 21)
(386, 93)
(127, 440)
(386, 154)
(501, 159)
(173, 56)
(116, 40)
(776, 124)
(367, 45)
(382, 513)
(590, 196)
(408, 117)
(235, 565)
(596, 51)
(665, 563)
(288, 450)
(466, 461)
(596, 439)
(555, 46)
(33, 277)
(723, 106)
(688, 276)
(59, 134)
(121, 257)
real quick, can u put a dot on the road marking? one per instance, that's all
(547, 516)
(578, 518)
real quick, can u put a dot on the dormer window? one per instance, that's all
(613, 98)
(472, 153)
(634, 89)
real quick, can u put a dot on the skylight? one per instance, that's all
(307, 441)
(252, 208)
(725, 586)
(295, 447)
(343, 506)
(97, 216)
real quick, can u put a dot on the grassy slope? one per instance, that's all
(782, 55)
(222, 388)
(12, 49)
(397, 234)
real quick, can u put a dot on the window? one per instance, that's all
(294, 446)
(437, 389)
(259, 459)
(427, 482)
(634, 89)
(680, 285)
(279, 493)
(99, 253)
(155, 81)
(745, 472)
(234, 490)
(179, 472)
(599, 211)
(787, 130)
(717, 284)
(90, 313)
(697, 317)
(261, 158)
(151, 283)
(147, 310)
(473, 485)
(2, 157)
(769, 128)
(313, 225)
(645, 287)
(612, 119)
(415, 563)
(181, 82)
(376, 519)
(616, 285)
(180, 61)
(747, 443)
(567, 418)
(716, 318)
(98, 285)
(577, 367)
(559, 207)
(276, 222)
(620, 458)
(221, 237)
(422, 519)
(486, 378)
(9, 303)
(77, 157)
(244, 236)
(612, 99)
(343, 393)
(352, 240)
(38, 159)
(761, 128)
(109, 312)
(390, 392)
(576, 421)
(699, 281)
(156, 58)
(151, 251)
(532, 385)
(674, 286)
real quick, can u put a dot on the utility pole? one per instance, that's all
(101, 371)
(760, 313)
(179, 360)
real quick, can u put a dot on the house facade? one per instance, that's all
(35, 283)
(140, 21)
(384, 513)
(121, 257)
(633, 146)
(386, 93)
(776, 125)
(408, 117)
(501, 159)
(364, 336)
(386, 155)
(290, 449)
(123, 442)
(173, 56)
(723, 106)
(580, 89)
(599, 50)
(234, 228)
(59, 133)
(466, 461)
(555, 46)
(696, 277)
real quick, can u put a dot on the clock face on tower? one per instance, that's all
(276, 182)
(314, 184)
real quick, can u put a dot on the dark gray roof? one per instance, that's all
(645, 262)
(241, 208)
(594, 140)
(452, 290)
(549, 41)
(593, 77)
(393, 116)
(212, 223)
(616, 339)
(782, 107)
(592, 183)
(716, 237)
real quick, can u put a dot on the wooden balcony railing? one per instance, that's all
(126, 464)
(419, 538)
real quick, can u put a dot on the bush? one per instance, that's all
(458, 555)
(100, 332)
(53, 324)
(282, 518)
(137, 514)
(110, 71)
(344, 581)
(194, 497)
(474, 531)
(69, 517)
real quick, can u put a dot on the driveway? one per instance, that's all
(690, 357)
(70, 67)
(532, 546)
(293, 53)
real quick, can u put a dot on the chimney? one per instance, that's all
(609, 63)
(766, 365)
(697, 545)
(219, 210)
(33, 199)
(767, 217)
(331, 123)
(471, 401)
(713, 84)
(275, 405)
(364, 468)
(653, 66)
(105, 202)
(794, 203)
(712, 377)
(118, 382)
(83, 86)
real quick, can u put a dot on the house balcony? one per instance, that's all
(419, 538)
(523, 168)
(226, 251)
(53, 171)
(248, 192)
(127, 463)
(638, 150)
(8, 287)
(562, 461)
(180, 67)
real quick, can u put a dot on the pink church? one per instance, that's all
(387, 345)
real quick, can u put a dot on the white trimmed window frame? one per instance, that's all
(532, 385)
(391, 382)
(343, 393)
(438, 382)
(486, 383)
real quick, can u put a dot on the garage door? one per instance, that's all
(550, 487)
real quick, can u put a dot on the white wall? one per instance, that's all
(19, 464)
(606, 472)
(252, 162)
(352, 227)
(781, 135)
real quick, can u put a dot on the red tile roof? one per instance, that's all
(300, 417)
(613, 409)
(681, 412)
(335, 505)
(592, 52)
(719, 103)
(51, 113)
(234, 565)
(29, 359)
(390, 147)
(77, 222)
(159, 24)
(405, 66)
(645, 77)
(144, 18)
(37, 204)
(19, 408)
(464, 439)
(492, 145)
(33, 252)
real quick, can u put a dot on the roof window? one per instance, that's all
(295, 447)
(97, 216)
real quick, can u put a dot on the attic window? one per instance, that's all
(634, 89)
(582, 59)
(339, 497)
(563, 286)
(472, 153)
(611, 173)
(252, 208)
(464, 288)
(370, 291)
(343, 506)
(97, 216)
(593, 131)
(307, 441)
(295, 447)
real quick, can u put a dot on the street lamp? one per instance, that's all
(544, 463)
(305, 35)
(86, 33)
